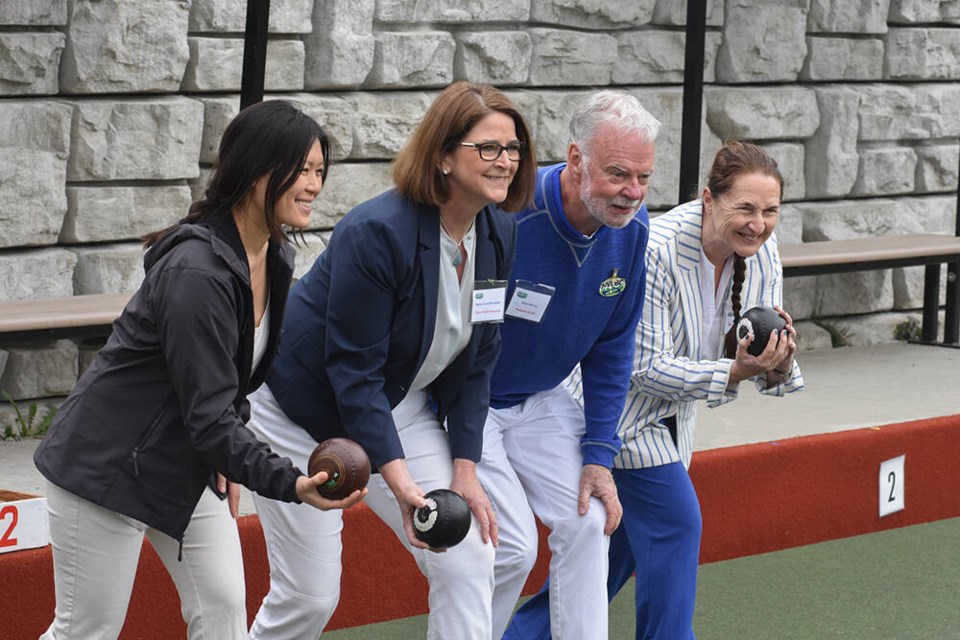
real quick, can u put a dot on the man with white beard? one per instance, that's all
(575, 297)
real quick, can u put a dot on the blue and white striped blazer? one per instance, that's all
(670, 373)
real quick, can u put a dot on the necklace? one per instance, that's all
(458, 256)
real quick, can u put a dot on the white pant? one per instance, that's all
(531, 465)
(95, 557)
(304, 547)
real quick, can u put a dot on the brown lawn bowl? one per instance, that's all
(346, 464)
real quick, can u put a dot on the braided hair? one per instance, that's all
(737, 158)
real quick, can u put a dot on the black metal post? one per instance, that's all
(254, 52)
(951, 320)
(692, 99)
(931, 299)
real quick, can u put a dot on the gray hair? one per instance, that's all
(622, 110)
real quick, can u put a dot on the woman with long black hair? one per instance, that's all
(135, 447)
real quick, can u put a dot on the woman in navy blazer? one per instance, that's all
(378, 346)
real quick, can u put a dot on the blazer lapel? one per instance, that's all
(688, 263)
(428, 254)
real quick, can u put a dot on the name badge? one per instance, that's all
(488, 299)
(530, 300)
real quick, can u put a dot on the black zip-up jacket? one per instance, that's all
(164, 403)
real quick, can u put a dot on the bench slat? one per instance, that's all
(873, 249)
(60, 313)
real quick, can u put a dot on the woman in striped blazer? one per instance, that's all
(707, 261)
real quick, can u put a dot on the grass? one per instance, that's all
(27, 424)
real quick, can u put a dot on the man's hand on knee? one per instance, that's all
(597, 480)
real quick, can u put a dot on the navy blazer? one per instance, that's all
(359, 324)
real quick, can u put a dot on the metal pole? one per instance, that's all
(254, 52)
(692, 99)
(951, 324)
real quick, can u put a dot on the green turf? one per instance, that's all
(902, 584)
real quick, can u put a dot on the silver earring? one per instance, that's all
(446, 172)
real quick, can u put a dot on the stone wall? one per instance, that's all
(110, 113)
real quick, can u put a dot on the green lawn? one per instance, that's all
(902, 584)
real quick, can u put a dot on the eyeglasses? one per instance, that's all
(490, 151)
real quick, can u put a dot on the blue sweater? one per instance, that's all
(580, 324)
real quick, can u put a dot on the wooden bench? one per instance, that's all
(52, 318)
(886, 252)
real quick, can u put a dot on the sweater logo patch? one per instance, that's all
(612, 286)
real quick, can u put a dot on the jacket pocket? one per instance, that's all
(151, 434)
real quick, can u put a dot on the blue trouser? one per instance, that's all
(659, 539)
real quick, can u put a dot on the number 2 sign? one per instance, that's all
(892, 486)
(23, 524)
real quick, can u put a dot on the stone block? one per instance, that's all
(285, 66)
(811, 337)
(336, 116)
(843, 59)
(908, 286)
(36, 273)
(922, 54)
(125, 47)
(40, 125)
(309, 249)
(216, 64)
(867, 330)
(385, 122)
(220, 16)
(109, 268)
(136, 139)
(494, 57)
(789, 157)
(928, 214)
(674, 12)
(886, 171)
(452, 11)
(571, 58)
(40, 370)
(547, 114)
(32, 200)
(832, 159)
(198, 185)
(348, 186)
(768, 113)
(412, 59)
(657, 57)
(852, 293)
(592, 14)
(108, 213)
(799, 296)
(847, 219)
(914, 112)
(842, 220)
(762, 42)
(33, 13)
(217, 114)
(790, 226)
(937, 166)
(29, 63)
(921, 11)
(848, 16)
(339, 52)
